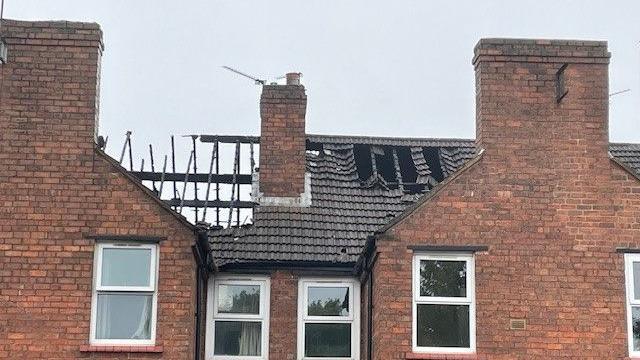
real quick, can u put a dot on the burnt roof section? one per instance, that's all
(358, 184)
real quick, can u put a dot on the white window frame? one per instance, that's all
(353, 318)
(97, 288)
(629, 259)
(469, 300)
(213, 314)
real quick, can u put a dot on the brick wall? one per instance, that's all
(547, 201)
(283, 323)
(282, 140)
(55, 189)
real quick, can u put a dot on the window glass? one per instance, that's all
(635, 325)
(442, 325)
(328, 301)
(123, 316)
(327, 340)
(440, 278)
(238, 338)
(239, 299)
(126, 267)
(636, 280)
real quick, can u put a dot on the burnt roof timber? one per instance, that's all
(230, 139)
(212, 203)
(244, 179)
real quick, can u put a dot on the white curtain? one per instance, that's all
(250, 339)
(142, 332)
(104, 320)
(123, 316)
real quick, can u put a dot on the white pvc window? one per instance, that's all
(443, 303)
(632, 277)
(124, 300)
(238, 326)
(328, 319)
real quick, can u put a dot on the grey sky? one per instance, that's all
(399, 68)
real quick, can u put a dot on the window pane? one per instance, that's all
(238, 338)
(443, 278)
(636, 280)
(126, 316)
(443, 325)
(635, 325)
(239, 299)
(327, 340)
(328, 301)
(126, 267)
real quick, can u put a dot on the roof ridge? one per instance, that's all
(375, 137)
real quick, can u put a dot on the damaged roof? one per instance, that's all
(358, 184)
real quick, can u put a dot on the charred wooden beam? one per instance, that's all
(230, 139)
(195, 171)
(173, 167)
(206, 196)
(217, 145)
(213, 203)
(243, 179)
(396, 167)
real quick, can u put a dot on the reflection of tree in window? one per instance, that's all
(239, 299)
(443, 278)
(443, 325)
(330, 306)
(245, 302)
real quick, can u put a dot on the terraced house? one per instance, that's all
(523, 243)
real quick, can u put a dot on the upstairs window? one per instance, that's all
(443, 303)
(632, 277)
(240, 323)
(328, 319)
(123, 308)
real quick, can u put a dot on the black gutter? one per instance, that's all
(204, 265)
(198, 313)
(267, 266)
(370, 319)
(364, 268)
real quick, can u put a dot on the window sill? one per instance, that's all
(425, 356)
(121, 349)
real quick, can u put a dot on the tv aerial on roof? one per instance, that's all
(619, 92)
(255, 79)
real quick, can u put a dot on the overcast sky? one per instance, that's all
(391, 68)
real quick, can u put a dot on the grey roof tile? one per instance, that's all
(346, 209)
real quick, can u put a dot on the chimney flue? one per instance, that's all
(293, 78)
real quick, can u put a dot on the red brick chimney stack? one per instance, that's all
(282, 142)
(50, 88)
(537, 99)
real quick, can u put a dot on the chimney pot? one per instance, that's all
(293, 78)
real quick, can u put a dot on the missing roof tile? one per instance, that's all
(362, 157)
(432, 157)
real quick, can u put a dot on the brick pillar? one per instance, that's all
(542, 98)
(284, 316)
(282, 139)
